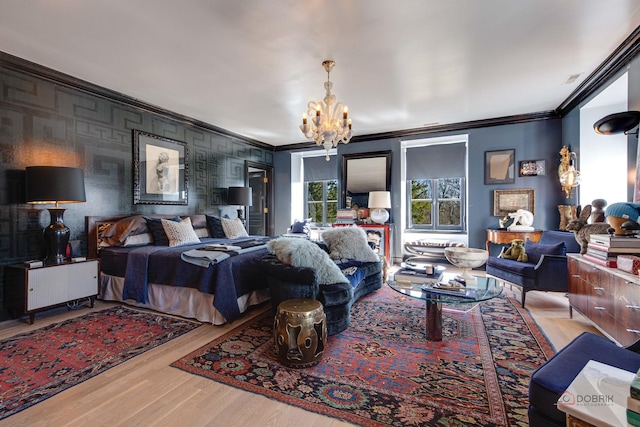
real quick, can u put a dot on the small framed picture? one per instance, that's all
(532, 168)
(499, 167)
(160, 170)
(508, 201)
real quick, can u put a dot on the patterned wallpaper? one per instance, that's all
(43, 122)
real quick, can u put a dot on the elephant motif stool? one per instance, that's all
(300, 332)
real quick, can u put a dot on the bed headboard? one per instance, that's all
(95, 226)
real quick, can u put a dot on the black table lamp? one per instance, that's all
(55, 184)
(240, 196)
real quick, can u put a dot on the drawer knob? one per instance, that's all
(598, 288)
(599, 308)
(634, 331)
(30, 289)
(634, 307)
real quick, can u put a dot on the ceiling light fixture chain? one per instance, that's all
(330, 122)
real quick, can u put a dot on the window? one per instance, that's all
(321, 201)
(436, 210)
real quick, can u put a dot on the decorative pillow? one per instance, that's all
(118, 232)
(536, 250)
(139, 240)
(157, 230)
(180, 233)
(300, 226)
(305, 253)
(201, 232)
(233, 228)
(214, 224)
(349, 243)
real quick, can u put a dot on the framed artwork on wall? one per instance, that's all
(160, 170)
(508, 201)
(499, 167)
(532, 168)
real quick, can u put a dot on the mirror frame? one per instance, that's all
(357, 156)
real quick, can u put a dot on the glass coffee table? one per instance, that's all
(482, 289)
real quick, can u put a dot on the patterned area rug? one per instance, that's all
(382, 371)
(39, 364)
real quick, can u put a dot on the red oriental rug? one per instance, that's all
(41, 363)
(381, 370)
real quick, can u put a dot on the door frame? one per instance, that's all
(269, 219)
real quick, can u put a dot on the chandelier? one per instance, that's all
(330, 122)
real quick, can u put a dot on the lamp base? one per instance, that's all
(56, 238)
(379, 216)
(241, 216)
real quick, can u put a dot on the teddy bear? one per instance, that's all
(515, 251)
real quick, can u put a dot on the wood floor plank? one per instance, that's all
(147, 391)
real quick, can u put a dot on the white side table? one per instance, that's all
(597, 396)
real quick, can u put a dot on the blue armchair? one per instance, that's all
(546, 269)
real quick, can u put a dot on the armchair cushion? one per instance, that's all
(536, 250)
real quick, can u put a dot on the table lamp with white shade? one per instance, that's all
(379, 202)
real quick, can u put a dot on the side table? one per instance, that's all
(597, 396)
(29, 290)
(504, 236)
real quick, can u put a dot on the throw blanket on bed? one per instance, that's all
(227, 279)
(204, 258)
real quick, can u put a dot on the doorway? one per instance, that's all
(259, 177)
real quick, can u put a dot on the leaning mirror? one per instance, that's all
(362, 173)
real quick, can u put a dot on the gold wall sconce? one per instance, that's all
(567, 173)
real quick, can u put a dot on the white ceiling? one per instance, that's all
(251, 66)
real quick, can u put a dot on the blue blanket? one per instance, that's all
(227, 280)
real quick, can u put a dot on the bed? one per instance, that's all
(211, 286)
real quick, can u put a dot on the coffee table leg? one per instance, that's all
(434, 320)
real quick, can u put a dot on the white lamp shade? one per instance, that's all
(379, 199)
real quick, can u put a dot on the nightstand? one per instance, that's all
(29, 290)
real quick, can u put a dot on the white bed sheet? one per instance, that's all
(184, 302)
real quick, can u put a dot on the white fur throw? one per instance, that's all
(349, 243)
(304, 253)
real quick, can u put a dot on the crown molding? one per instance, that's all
(615, 62)
(453, 127)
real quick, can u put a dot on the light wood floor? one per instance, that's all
(146, 391)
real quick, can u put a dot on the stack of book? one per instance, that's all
(633, 402)
(604, 249)
(417, 276)
(345, 216)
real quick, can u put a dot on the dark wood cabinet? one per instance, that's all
(608, 297)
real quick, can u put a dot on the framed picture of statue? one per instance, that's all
(160, 170)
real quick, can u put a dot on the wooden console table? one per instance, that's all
(504, 237)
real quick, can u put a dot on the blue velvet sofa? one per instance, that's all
(288, 282)
(550, 380)
(546, 269)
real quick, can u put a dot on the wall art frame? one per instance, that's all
(532, 168)
(499, 167)
(160, 170)
(508, 201)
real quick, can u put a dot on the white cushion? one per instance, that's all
(233, 228)
(349, 243)
(180, 233)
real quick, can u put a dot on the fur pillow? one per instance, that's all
(233, 228)
(305, 253)
(349, 243)
(180, 233)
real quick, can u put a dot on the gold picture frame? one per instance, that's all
(508, 201)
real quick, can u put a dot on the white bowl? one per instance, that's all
(466, 259)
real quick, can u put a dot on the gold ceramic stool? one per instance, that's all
(300, 332)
